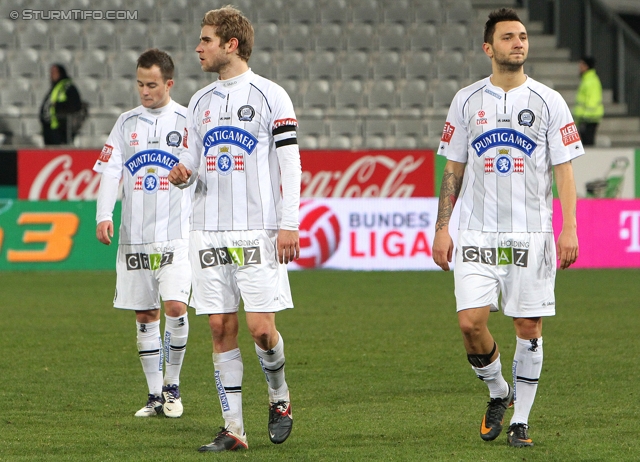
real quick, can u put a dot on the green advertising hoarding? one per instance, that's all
(53, 236)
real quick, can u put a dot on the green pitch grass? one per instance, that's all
(375, 364)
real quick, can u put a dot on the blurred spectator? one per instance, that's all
(59, 108)
(589, 109)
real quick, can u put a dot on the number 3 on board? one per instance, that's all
(58, 239)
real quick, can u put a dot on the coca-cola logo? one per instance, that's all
(57, 181)
(369, 175)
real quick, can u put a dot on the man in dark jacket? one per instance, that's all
(61, 104)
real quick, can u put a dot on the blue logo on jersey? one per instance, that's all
(503, 165)
(151, 157)
(503, 137)
(228, 134)
(150, 183)
(224, 164)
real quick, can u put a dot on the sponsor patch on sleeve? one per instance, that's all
(105, 154)
(569, 134)
(447, 133)
(184, 138)
(282, 122)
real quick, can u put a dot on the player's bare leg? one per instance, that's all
(269, 347)
(527, 366)
(484, 356)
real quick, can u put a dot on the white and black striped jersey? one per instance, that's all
(236, 130)
(142, 148)
(509, 142)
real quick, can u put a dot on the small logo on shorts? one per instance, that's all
(154, 261)
(491, 256)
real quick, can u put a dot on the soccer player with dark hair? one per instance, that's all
(242, 153)
(504, 139)
(153, 250)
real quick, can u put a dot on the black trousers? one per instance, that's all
(588, 133)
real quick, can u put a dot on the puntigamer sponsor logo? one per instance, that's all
(493, 256)
(152, 261)
(240, 256)
(151, 157)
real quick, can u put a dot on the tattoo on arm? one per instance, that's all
(449, 192)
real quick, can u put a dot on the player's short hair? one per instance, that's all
(155, 57)
(231, 23)
(496, 16)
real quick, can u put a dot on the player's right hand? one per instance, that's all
(179, 174)
(104, 231)
(442, 249)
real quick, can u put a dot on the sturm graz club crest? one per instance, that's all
(503, 164)
(526, 117)
(174, 139)
(246, 113)
(224, 161)
(150, 182)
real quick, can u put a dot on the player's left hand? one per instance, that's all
(567, 249)
(288, 244)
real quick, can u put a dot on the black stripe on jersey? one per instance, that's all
(180, 114)
(284, 129)
(265, 98)
(195, 106)
(287, 142)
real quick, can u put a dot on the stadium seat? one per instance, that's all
(303, 12)
(147, 11)
(89, 91)
(428, 11)
(177, 11)
(91, 63)
(61, 56)
(435, 127)
(459, 11)
(355, 66)
(70, 37)
(31, 126)
(261, 62)
(423, 37)
(16, 92)
(187, 65)
(25, 63)
(381, 98)
(134, 37)
(123, 64)
(7, 34)
(365, 11)
(442, 92)
(291, 86)
(322, 65)
(35, 35)
(328, 37)
(317, 96)
(392, 37)
(413, 97)
(340, 142)
(478, 65)
(418, 65)
(267, 37)
(397, 11)
(271, 11)
(345, 127)
(296, 37)
(450, 65)
(311, 127)
(454, 37)
(101, 36)
(360, 37)
(387, 66)
(290, 66)
(171, 39)
(335, 11)
(102, 126)
(119, 93)
(349, 98)
(409, 128)
(183, 90)
(378, 128)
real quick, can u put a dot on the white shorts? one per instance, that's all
(520, 266)
(228, 265)
(146, 272)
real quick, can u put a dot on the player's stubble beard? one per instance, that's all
(217, 65)
(507, 66)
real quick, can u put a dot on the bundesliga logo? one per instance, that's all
(319, 234)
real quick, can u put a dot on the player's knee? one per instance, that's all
(174, 308)
(469, 328)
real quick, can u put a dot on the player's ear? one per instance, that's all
(169, 83)
(488, 49)
(232, 44)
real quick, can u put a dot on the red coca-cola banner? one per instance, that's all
(66, 174)
(407, 173)
(57, 174)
